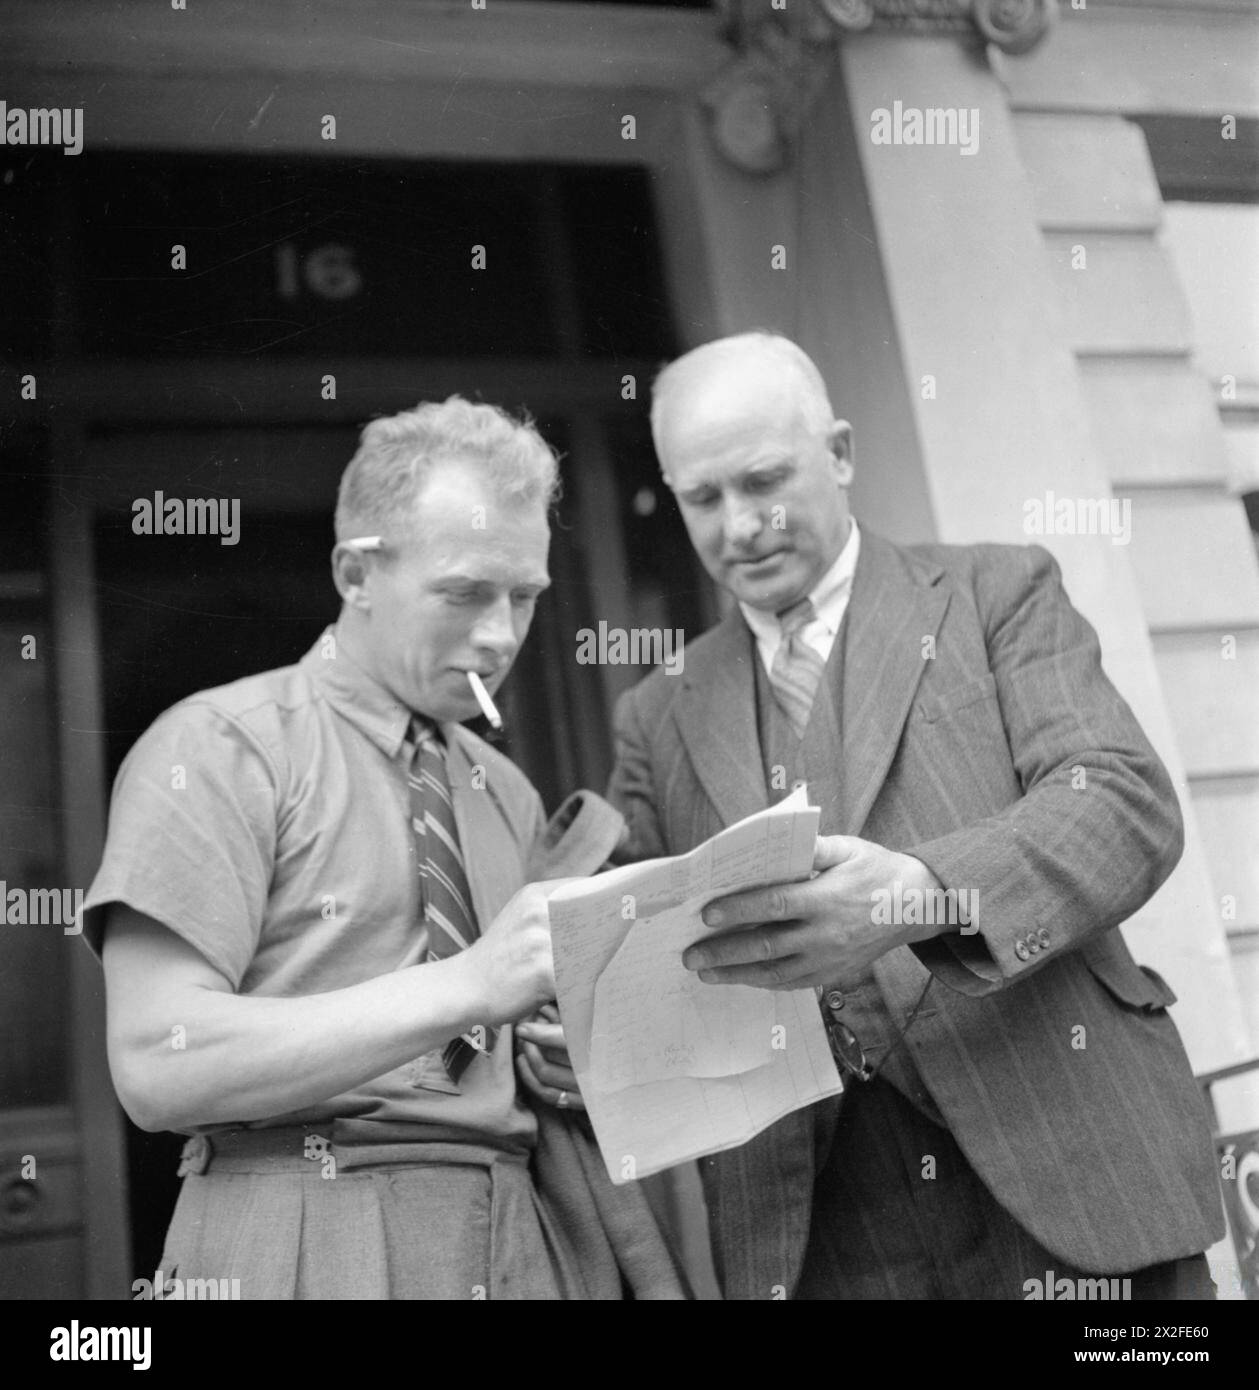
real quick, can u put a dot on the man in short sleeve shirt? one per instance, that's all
(275, 987)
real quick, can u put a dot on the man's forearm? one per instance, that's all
(199, 1055)
(1073, 862)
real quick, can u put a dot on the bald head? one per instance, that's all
(746, 366)
(747, 440)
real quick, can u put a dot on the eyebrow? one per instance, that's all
(480, 582)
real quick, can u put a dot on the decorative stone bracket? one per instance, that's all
(757, 103)
(1015, 26)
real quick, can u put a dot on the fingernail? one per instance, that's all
(714, 917)
(696, 960)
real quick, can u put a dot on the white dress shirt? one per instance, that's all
(830, 602)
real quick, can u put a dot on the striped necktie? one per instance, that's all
(445, 898)
(797, 669)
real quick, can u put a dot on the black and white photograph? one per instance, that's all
(629, 662)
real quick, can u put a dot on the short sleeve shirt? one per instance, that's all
(268, 824)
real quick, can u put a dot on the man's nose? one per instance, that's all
(741, 521)
(495, 630)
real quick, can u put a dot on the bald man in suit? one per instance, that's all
(1018, 1104)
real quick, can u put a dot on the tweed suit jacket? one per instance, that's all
(980, 735)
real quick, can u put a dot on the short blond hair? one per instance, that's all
(382, 481)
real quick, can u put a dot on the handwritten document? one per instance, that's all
(671, 1067)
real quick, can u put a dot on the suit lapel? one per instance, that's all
(716, 715)
(896, 603)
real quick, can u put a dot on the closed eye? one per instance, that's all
(461, 594)
(768, 481)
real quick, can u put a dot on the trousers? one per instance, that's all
(419, 1221)
(898, 1213)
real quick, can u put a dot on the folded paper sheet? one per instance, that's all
(670, 1067)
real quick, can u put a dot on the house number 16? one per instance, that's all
(328, 271)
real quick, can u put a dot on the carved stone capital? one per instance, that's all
(1014, 26)
(757, 102)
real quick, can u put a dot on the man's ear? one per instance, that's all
(840, 443)
(349, 574)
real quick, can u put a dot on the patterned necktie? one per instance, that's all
(445, 898)
(797, 669)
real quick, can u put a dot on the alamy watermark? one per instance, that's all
(187, 516)
(1079, 516)
(635, 646)
(40, 125)
(925, 907)
(75, 1343)
(1062, 1289)
(174, 1289)
(42, 907)
(937, 125)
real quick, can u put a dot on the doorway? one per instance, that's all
(213, 386)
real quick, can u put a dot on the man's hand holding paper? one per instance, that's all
(811, 934)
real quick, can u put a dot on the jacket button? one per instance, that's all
(1033, 943)
(1020, 950)
(834, 999)
(1043, 937)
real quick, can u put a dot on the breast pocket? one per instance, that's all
(932, 706)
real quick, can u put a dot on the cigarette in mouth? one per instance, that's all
(483, 699)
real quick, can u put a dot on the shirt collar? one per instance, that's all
(355, 695)
(829, 595)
